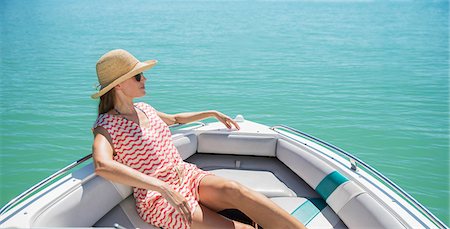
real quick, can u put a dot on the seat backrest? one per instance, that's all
(237, 144)
(344, 196)
(186, 144)
(75, 206)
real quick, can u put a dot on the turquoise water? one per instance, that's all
(370, 77)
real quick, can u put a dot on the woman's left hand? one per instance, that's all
(227, 121)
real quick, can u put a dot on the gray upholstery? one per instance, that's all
(239, 144)
(261, 181)
(125, 215)
(71, 210)
(302, 162)
(343, 194)
(116, 216)
(210, 162)
(186, 145)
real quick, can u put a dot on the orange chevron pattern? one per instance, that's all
(151, 151)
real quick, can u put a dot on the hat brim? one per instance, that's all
(140, 67)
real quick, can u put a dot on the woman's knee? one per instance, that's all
(234, 190)
(219, 193)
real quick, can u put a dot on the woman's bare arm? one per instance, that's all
(188, 117)
(106, 167)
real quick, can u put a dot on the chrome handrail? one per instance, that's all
(405, 195)
(39, 185)
(185, 124)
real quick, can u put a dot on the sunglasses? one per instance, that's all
(138, 77)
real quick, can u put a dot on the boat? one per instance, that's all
(320, 184)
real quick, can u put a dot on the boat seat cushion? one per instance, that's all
(186, 145)
(125, 215)
(83, 194)
(312, 212)
(344, 196)
(237, 144)
(261, 181)
(310, 168)
(355, 213)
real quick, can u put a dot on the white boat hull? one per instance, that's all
(315, 184)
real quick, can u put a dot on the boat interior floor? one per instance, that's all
(266, 175)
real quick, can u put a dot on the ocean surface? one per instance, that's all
(371, 77)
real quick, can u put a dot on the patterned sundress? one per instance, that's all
(151, 151)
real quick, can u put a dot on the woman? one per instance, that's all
(133, 146)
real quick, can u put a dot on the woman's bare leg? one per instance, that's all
(205, 218)
(218, 194)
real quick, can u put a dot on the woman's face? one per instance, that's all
(132, 87)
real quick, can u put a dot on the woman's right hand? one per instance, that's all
(178, 202)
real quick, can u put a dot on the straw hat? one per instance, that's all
(117, 66)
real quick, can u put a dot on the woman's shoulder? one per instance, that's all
(102, 120)
(144, 106)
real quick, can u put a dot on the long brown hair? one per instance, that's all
(106, 102)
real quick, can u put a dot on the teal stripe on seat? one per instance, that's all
(309, 209)
(330, 183)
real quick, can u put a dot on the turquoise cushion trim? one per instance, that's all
(330, 183)
(309, 209)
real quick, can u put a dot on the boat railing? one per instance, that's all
(180, 125)
(64, 170)
(41, 184)
(354, 161)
